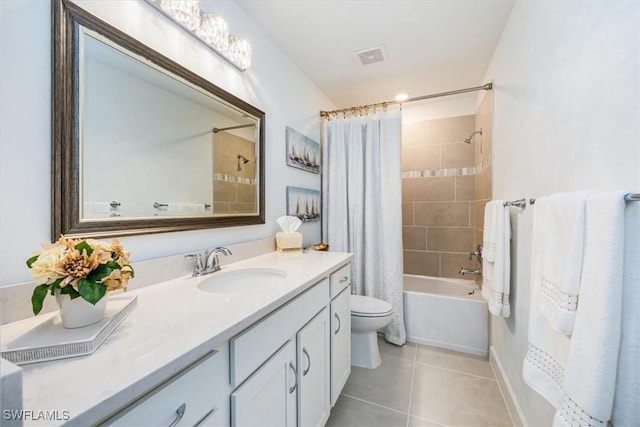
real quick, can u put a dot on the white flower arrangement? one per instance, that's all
(84, 268)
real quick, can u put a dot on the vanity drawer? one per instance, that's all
(200, 388)
(254, 346)
(340, 280)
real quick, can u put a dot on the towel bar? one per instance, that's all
(631, 197)
(520, 203)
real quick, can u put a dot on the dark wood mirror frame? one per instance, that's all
(65, 168)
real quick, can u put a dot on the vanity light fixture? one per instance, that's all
(209, 28)
(214, 31)
(185, 12)
(240, 52)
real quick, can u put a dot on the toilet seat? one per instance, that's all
(363, 306)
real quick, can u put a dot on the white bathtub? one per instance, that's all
(447, 313)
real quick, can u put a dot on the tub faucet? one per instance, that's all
(464, 271)
(209, 263)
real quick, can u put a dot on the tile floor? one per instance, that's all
(418, 386)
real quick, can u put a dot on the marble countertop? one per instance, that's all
(173, 325)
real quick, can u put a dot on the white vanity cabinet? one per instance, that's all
(197, 396)
(292, 386)
(269, 396)
(340, 338)
(313, 371)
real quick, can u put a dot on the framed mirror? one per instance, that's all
(141, 144)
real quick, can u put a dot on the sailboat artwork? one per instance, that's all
(302, 152)
(303, 203)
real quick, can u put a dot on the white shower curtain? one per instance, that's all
(362, 209)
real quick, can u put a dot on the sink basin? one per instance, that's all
(242, 280)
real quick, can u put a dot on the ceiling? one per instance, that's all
(431, 45)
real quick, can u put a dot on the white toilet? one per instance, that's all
(367, 316)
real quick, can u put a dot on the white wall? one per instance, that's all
(170, 159)
(566, 112)
(273, 84)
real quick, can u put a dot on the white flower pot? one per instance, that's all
(77, 312)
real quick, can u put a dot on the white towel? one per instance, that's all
(490, 229)
(496, 270)
(562, 251)
(185, 207)
(543, 367)
(626, 405)
(590, 380)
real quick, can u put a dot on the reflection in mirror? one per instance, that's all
(171, 162)
(142, 145)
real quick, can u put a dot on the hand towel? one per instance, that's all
(185, 207)
(590, 381)
(543, 366)
(490, 229)
(496, 271)
(562, 251)
(626, 407)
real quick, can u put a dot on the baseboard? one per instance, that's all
(505, 388)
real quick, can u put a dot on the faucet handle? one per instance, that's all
(477, 253)
(197, 265)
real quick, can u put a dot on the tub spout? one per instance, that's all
(464, 271)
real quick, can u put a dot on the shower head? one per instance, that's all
(242, 160)
(467, 140)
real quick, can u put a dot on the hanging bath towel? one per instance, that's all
(591, 367)
(562, 251)
(496, 262)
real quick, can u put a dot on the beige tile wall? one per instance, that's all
(439, 214)
(231, 197)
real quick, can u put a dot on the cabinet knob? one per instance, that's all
(339, 324)
(306, 353)
(344, 279)
(179, 414)
(295, 375)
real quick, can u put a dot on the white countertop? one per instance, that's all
(173, 325)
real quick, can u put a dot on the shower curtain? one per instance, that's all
(362, 209)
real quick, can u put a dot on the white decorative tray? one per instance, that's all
(43, 338)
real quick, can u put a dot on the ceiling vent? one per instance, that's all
(371, 55)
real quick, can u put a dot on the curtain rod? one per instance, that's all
(487, 86)
(216, 130)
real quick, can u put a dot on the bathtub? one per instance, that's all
(446, 313)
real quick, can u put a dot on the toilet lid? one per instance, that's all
(370, 307)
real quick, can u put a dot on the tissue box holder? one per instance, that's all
(289, 242)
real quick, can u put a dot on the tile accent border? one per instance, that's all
(473, 170)
(230, 178)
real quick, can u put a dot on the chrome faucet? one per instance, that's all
(477, 253)
(209, 263)
(212, 263)
(464, 271)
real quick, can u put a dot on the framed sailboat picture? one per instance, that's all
(302, 152)
(303, 203)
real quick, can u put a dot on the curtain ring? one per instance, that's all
(384, 106)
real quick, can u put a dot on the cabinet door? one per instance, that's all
(268, 397)
(340, 343)
(313, 372)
